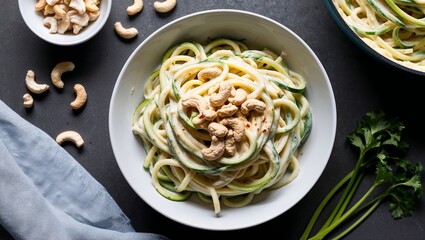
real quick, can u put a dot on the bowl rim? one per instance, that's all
(78, 39)
(333, 117)
(360, 43)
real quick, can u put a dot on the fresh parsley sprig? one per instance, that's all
(382, 151)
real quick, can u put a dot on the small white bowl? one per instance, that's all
(34, 21)
(258, 31)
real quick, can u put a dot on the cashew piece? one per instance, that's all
(28, 100)
(215, 150)
(58, 70)
(81, 97)
(164, 6)
(218, 99)
(135, 8)
(239, 97)
(126, 33)
(70, 136)
(78, 5)
(201, 104)
(237, 125)
(230, 145)
(207, 74)
(253, 104)
(32, 85)
(51, 23)
(227, 110)
(91, 6)
(216, 129)
(41, 4)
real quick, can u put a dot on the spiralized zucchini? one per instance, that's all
(394, 28)
(226, 152)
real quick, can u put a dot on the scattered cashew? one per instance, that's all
(218, 99)
(126, 33)
(239, 97)
(200, 103)
(28, 100)
(58, 70)
(216, 129)
(237, 125)
(215, 150)
(32, 85)
(51, 23)
(71, 136)
(253, 104)
(164, 6)
(81, 97)
(135, 8)
(227, 110)
(207, 74)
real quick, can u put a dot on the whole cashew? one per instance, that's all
(208, 73)
(218, 99)
(230, 143)
(41, 4)
(52, 2)
(237, 125)
(164, 6)
(58, 70)
(81, 19)
(239, 98)
(215, 150)
(91, 6)
(32, 85)
(216, 129)
(200, 103)
(51, 23)
(81, 97)
(126, 33)
(253, 104)
(70, 136)
(59, 11)
(135, 8)
(78, 5)
(28, 100)
(227, 110)
(64, 24)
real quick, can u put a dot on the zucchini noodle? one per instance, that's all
(394, 28)
(222, 121)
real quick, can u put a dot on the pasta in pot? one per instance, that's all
(394, 28)
(222, 121)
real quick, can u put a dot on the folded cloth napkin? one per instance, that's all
(46, 194)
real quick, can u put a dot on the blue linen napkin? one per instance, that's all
(46, 194)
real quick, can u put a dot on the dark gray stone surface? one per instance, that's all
(360, 84)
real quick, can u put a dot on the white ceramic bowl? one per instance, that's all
(375, 52)
(34, 20)
(258, 31)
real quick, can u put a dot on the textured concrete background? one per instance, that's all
(357, 79)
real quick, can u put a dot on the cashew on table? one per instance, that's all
(164, 6)
(126, 33)
(225, 113)
(58, 70)
(70, 136)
